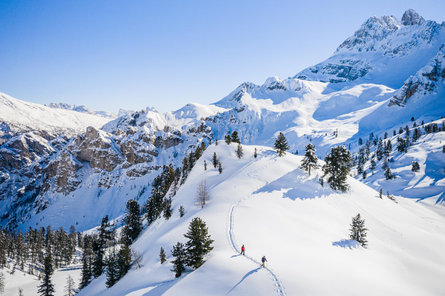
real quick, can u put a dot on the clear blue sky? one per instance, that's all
(133, 54)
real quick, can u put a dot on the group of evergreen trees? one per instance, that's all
(193, 252)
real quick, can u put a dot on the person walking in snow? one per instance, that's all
(243, 250)
(263, 260)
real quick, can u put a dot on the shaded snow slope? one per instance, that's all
(20, 116)
(275, 209)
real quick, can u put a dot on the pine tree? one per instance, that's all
(181, 211)
(364, 175)
(381, 193)
(281, 145)
(255, 153)
(180, 259)
(69, 288)
(388, 173)
(235, 138)
(228, 139)
(87, 256)
(132, 220)
(239, 151)
(112, 273)
(198, 244)
(162, 256)
(373, 165)
(358, 231)
(415, 166)
(105, 236)
(310, 159)
(337, 169)
(215, 160)
(379, 151)
(219, 168)
(47, 287)
(205, 165)
(123, 260)
(167, 208)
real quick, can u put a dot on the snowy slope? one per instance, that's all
(277, 210)
(20, 115)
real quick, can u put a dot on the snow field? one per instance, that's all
(299, 236)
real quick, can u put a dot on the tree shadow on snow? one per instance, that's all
(347, 244)
(243, 278)
(297, 184)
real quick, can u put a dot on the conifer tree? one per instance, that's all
(358, 231)
(87, 258)
(219, 168)
(281, 145)
(162, 255)
(255, 153)
(47, 287)
(415, 166)
(180, 259)
(133, 224)
(373, 165)
(381, 193)
(105, 236)
(337, 169)
(112, 270)
(215, 160)
(205, 165)
(379, 151)
(365, 174)
(228, 139)
(310, 159)
(388, 173)
(239, 151)
(167, 208)
(123, 260)
(198, 244)
(181, 211)
(235, 138)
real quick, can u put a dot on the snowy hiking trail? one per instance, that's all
(279, 288)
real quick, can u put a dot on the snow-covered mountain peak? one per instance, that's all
(411, 17)
(80, 108)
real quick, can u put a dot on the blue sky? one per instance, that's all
(133, 54)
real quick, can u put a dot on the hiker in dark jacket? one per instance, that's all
(263, 260)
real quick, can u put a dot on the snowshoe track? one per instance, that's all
(278, 284)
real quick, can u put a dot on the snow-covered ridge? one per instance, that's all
(20, 115)
(80, 108)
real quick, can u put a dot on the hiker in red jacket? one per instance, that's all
(243, 250)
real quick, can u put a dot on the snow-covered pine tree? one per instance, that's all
(205, 165)
(162, 256)
(132, 220)
(281, 145)
(167, 208)
(70, 290)
(180, 259)
(46, 288)
(372, 165)
(358, 231)
(310, 159)
(219, 167)
(415, 167)
(239, 151)
(337, 168)
(198, 244)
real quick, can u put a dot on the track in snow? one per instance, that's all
(278, 285)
